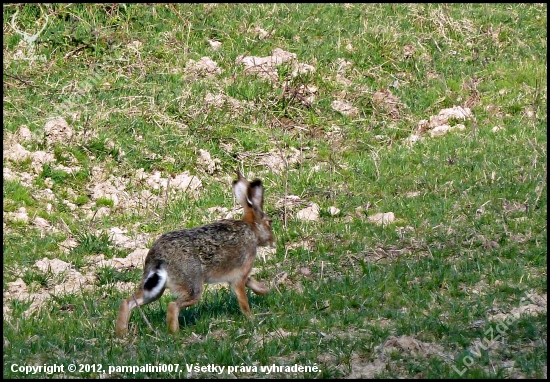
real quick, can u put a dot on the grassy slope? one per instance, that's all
(432, 282)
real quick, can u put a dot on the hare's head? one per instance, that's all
(250, 196)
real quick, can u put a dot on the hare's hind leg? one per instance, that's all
(256, 286)
(150, 290)
(188, 297)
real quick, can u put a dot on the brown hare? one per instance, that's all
(223, 251)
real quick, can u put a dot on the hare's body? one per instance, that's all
(223, 251)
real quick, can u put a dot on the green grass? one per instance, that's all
(469, 238)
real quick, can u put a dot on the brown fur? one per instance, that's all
(223, 251)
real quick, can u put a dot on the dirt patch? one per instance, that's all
(20, 215)
(412, 346)
(265, 252)
(308, 245)
(15, 152)
(219, 213)
(205, 67)
(184, 181)
(440, 124)
(58, 130)
(126, 287)
(68, 244)
(114, 188)
(220, 100)
(72, 282)
(302, 68)
(206, 162)
(310, 213)
(532, 306)
(360, 368)
(283, 279)
(412, 194)
(55, 266)
(386, 101)
(265, 67)
(344, 108)
(262, 33)
(333, 211)
(135, 259)
(43, 225)
(24, 178)
(278, 161)
(290, 201)
(382, 218)
(407, 345)
(341, 68)
(120, 239)
(23, 134)
(260, 340)
(214, 44)
(69, 280)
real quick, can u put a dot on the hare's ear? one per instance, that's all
(256, 194)
(241, 190)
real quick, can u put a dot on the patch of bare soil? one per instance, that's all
(342, 67)
(68, 280)
(265, 67)
(412, 346)
(310, 213)
(58, 130)
(407, 345)
(265, 252)
(72, 282)
(290, 201)
(219, 213)
(214, 44)
(360, 368)
(206, 162)
(15, 152)
(114, 188)
(261, 340)
(440, 124)
(24, 178)
(261, 32)
(20, 215)
(534, 305)
(344, 108)
(382, 218)
(278, 161)
(119, 238)
(205, 67)
(134, 260)
(386, 101)
(305, 244)
(283, 279)
(220, 100)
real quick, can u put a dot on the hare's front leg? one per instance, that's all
(238, 288)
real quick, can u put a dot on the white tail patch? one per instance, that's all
(152, 290)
